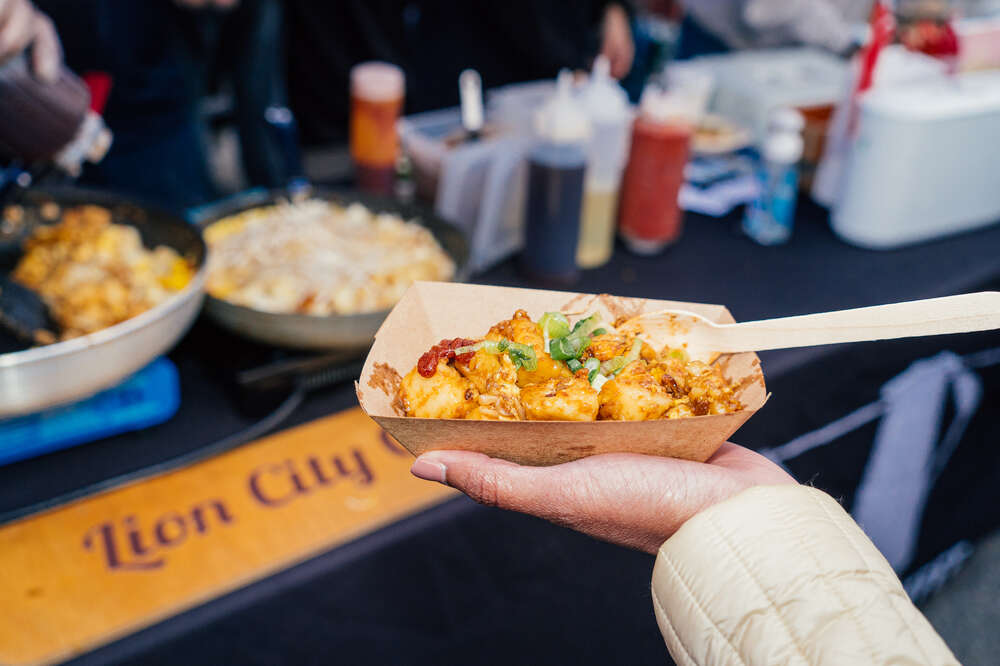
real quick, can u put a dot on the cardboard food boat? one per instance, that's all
(431, 311)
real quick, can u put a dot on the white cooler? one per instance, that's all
(925, 163)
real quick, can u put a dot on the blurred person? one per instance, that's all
(242, 44)
(751, 567)
(507, 42)
(719, 26)
(157, 152)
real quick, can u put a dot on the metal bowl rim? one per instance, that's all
(111, 333)
(291, 317)
(340, 197)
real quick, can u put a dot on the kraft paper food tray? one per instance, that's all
(432, 311)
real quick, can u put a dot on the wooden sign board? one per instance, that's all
(95, 570)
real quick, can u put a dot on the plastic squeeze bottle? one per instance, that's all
(606, 104)
(556, 165)
(48, 123)
(770, 217)
(649, 216)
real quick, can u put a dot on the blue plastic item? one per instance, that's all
(149, 397)
(769, 218)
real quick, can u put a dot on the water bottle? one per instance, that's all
(770, 217)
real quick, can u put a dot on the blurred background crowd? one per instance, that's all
(190, 76)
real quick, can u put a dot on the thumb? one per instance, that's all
(628, 499)
(489, 481)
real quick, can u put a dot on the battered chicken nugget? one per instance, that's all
(606, 346)
(485, 368)
(634, 395)
(708, 390)
(560, 399)
(445, 395)
(521, 329)
(495, 378)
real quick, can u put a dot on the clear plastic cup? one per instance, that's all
(377, 91)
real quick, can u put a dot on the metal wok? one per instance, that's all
(332, 332)
(43, 377)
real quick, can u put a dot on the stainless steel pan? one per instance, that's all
(338, 332)
(43, 377)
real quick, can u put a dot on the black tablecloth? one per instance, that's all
(463, 583)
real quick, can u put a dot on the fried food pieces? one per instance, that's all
(93, 273)
(615, 377)
(520, 328)
(445, 395)
(560, 399)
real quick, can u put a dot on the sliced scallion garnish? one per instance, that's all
(554, 324)
(598, 382)
(523, 356)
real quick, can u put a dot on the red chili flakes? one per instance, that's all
(428, 363)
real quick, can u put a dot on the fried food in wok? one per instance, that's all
(93, 273)
(550, 371)
(319, 258)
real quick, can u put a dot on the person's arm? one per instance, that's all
(751, 567)
(782, 574)
(617, 43)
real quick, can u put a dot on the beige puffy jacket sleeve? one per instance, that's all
(783, 575)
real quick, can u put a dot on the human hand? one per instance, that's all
(21, 26)
(629, 499)
(616, 41)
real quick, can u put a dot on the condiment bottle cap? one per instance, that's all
(783, 147)
(377, 81)
(664, 106)
(786, 119)
(603, 97)
(560, 119)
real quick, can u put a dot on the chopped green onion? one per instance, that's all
(600, 331)
(563, 349)
(554, 324)
(618, 363)
(489, 346)
(523, 356)
(495, 346)
(679, 354)
(574, 364)
(592, 375)
(585, 327)
(613, 366)
(634, 352)
(592, 364)
(598, 382)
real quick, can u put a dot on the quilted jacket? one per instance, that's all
(783, 575)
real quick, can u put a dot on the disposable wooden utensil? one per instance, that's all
(934, 316)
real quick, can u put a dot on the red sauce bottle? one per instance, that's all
(649, 217)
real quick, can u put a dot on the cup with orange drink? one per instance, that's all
(377, 90)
